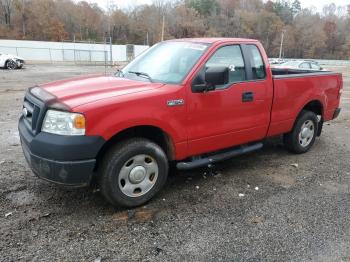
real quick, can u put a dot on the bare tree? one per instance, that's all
(6, 6)
(309, 33)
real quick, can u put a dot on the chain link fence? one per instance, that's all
(70, 52)
(53, 55)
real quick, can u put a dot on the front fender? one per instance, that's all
(109, 119)
(111, 130)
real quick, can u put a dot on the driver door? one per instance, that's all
(232, 114)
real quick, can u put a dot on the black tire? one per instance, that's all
(118, 158)
(293, 142)
(11, 65)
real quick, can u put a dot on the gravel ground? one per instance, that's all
(288, 212)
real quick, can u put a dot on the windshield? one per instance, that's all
(166, 62)
(291, 63)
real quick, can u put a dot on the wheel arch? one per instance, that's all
(153, 133)
(315, 106)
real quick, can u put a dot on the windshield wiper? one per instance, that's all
(142, 74)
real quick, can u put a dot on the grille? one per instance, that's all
(32, 113)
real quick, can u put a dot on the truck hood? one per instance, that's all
(87, 89)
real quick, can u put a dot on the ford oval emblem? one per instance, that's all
(25, 112)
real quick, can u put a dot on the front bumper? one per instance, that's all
(20, 63)
(65, 160)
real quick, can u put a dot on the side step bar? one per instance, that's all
(221, 156)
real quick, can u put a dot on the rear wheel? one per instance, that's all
(11, 65)
(133, 172)
(304, 133)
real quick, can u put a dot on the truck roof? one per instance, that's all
(211, 40)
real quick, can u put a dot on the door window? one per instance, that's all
(315, 66)
(305, 66)
(231, 57)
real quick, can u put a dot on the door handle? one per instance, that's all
(247, 97)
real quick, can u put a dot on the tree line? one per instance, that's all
(307, 33)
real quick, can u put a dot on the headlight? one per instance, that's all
(64, 123)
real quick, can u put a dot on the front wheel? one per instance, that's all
(133, 172)
(304, 133)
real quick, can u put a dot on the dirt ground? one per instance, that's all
(288, 212)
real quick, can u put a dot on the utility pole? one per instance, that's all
(111, 49)
(75, 55)
(106, 57)
(281, 46)
(110, 9)
(163, 25)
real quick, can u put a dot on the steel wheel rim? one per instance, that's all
(138, 175)
(306, 133)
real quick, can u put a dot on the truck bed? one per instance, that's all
(293, 89)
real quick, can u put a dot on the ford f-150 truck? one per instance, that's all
(192, 102)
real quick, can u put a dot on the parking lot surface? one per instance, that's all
(266, 206)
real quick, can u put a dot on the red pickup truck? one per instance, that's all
(189, 101)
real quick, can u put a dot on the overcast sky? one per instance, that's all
(305, 3)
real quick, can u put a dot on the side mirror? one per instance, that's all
(213, 77)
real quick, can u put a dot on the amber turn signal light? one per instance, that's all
(79, 122)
